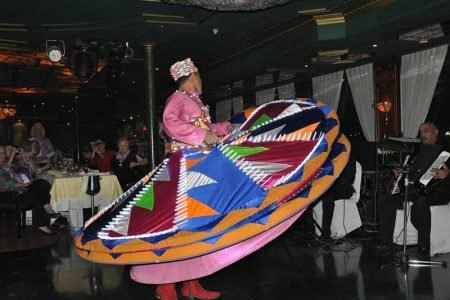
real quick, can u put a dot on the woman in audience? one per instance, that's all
(125, 164)
(24, 165)
(32, 194)
(46, 149)
(100, 157)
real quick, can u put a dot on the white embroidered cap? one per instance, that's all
(182, 68)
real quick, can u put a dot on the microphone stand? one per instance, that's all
(402, 260)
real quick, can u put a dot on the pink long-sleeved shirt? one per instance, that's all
(178, 115)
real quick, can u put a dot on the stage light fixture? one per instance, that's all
(84, 63)
(55, 50)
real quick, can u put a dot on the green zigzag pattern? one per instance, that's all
(262, 119)
(147, 199)
(246, 151)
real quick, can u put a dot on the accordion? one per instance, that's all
(429, 157)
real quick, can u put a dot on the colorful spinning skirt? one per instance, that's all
(199, 212)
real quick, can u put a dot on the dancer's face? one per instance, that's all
(197, 80)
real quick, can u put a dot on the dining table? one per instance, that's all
(68, 194)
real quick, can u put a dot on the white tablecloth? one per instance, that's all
(69, 195)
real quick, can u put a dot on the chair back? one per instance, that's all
(357, 183)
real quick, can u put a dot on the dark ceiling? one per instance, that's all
(227, 46)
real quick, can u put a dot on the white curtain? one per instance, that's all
(327, 88)
(286, 91)
(285, 76)
(223, 110)
(360, 80)
(418, 78)
(238, 104)
(267, 95)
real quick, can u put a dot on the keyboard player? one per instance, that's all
(388, 204)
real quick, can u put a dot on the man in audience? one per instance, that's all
(427, 152)
(100, 157)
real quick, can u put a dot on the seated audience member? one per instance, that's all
(428, 151)
(125, 164)
(11, 152)
(342, 188)
(100, 157)
(24, 166)
(32, 194)
(46, 149)
(24, 162)
(86, 152)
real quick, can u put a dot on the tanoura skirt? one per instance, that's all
(198, 212)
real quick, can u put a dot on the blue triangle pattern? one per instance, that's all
(327, 169)
(212, 240)
(159, 252)
(305, 192)
(325, 109)
(263, 220)
(115, 255)
(297, 176)
(157, 238)
(234, 182)
(110, 244)
(322, 147)
(86, 238)
(338, 148)
(330, 124)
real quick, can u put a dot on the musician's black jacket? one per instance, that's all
(423, 156)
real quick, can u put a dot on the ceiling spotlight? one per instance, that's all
(306, 66)
(55, 50)
(374, 45)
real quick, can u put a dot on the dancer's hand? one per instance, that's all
(210, 138)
